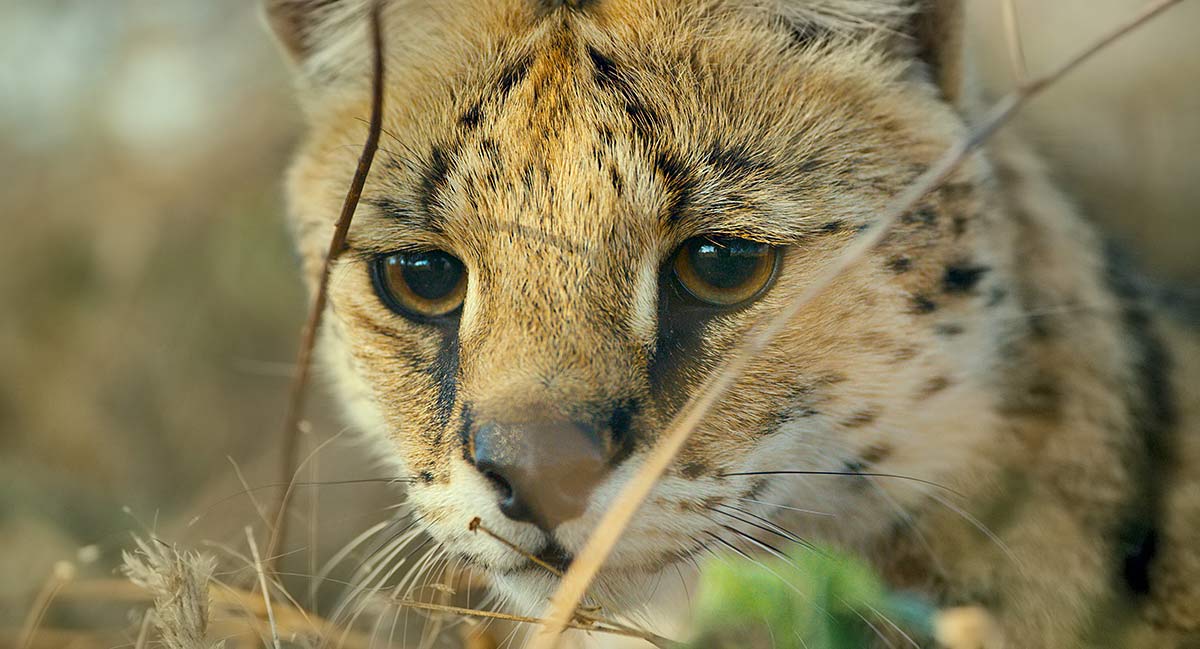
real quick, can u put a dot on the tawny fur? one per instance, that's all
(991, 345)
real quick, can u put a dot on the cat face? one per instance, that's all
(576, 215)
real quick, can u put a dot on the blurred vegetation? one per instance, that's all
(151, 303)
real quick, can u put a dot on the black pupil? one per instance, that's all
(726, 263)
(429, 275)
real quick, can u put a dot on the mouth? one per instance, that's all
(555, 556)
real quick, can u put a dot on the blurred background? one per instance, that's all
(150, 297)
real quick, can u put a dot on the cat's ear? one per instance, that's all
(927, 34)
(312, 31)
(936, 35)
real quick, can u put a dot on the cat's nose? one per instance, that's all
(544, 470)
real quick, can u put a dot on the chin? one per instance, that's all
(639, 594)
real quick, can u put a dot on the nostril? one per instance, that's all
(506, 490)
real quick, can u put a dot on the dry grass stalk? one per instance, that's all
(476, 525)
(584, 624)
(583, 570)
(179, 584)
(337, 244)
(232, 610)
(262, 585)
(60, 576)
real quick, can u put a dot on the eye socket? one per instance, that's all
(429, 284)
(725, 271)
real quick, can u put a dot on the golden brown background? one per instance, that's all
(150, 304)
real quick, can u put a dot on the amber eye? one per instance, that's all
(725, 271)
(427, 284)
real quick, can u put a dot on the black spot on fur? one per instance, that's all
(832, 227)
(1154, 413)
(610, 79)
(606, 68)
(949, 330)
(926, 216)
(618, 182)
(963, 278)
(922, 305)
(470, 118)
(933, 387)
(899, 265)
(512, 76)
(426, 477)
(693, 470)
(862, 418)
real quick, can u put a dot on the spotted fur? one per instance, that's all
(990, 345)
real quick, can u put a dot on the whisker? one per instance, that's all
(770, 527)
(786, 507)
(847, 474)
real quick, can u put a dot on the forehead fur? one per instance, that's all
(334, 32)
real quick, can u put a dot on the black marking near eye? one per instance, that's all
(433, 178)
(735, 161)
(444, 372)
(832, 227)
(620, 428)
(677, 181)
(963, 278)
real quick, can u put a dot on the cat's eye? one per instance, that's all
(725, 271)
(428, 284)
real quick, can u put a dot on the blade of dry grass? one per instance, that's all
(262, 585)
(591, 624)
(60, 576)
(583, 570)
(337, 244)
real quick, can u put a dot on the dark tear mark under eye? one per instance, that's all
(620, 427)
(445, 373)
(678, 347)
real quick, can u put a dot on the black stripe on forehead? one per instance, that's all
(611, 80)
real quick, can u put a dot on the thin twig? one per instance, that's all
(476, 525)
(308, 337)
(262, 584)
(1016, 49)
(598, 626)
(610, 528)
(62, 573)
